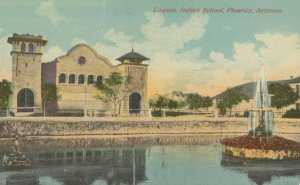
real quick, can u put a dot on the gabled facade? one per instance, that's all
(75, 75)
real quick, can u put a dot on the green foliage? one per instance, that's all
(180, 99)
(292, 113)
(115, 89)
(168, 113)
(207, 102)
(283, 95)
(196, 101)
(50, 94)
(162, 102)
(230, 98)
(152, 103)
(5, 92)
(222, 107)
(172, 104)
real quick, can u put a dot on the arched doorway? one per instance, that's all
(25, 100)
(135, 103)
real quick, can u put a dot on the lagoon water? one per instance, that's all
(153, 165)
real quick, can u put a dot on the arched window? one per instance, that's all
(90, 79)
(71, 79)
(81, 79)
(62, 78)
(23, 47)
(31, 48)
(99, 80)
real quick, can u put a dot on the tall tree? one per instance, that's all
(179, 98)
(162, 102)
(50, 94)
(230, 98)
(115, 89)
(207, 102)
(5, 92)
(194, 100)
(152, 104)
(222, 107)
(283, 95)
(172, 104)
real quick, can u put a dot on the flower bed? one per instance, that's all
(262, 143)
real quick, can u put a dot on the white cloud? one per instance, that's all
(118, 38)
(171, 38)
(47, 9)
(53, 53)
(172, 67)
(121, 43)
(76, 41)
(279, 53)
(244, 52)
(218, 57)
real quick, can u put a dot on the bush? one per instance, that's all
(292, 113)
(174, 114)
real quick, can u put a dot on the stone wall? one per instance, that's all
(50, 127)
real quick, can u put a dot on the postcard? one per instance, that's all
(139, 92)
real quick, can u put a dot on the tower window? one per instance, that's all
(62, 78)
(100, 79)
(90, 79)
(71, 79)
(23, 47)
(31, 48)
(26, 65)
(81, 79)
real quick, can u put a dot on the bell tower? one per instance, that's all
(132, 65)
(27, 52)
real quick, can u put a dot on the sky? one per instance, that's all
(191, 52)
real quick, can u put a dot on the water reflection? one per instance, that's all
(71, 167)
(262, 172)
(161, 165)
(24, 179)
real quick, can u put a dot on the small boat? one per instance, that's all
(16, 161)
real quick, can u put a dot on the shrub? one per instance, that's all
(174, 114)
(292, 113)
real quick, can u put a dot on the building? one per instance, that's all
(75, 75)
